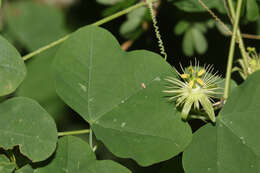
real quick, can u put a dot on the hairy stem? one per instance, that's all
(240, 40)
(232, 50)
(77, 132)
(98, 23)
(227, 30)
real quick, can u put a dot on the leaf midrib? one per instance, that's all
(233, 132)
(139, 133)
(125, 100)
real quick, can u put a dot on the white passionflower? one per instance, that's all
(196, 87)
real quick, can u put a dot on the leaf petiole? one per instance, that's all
(98, 23)
(77, 132)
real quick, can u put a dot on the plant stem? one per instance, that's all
(98, 23)
(240, 40)
(42, 49)
(120, 13)
(90, 138)
(232, 50)
(77, 132)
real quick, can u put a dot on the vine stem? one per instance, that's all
(232, 50)
(98, 23)
(42, 49)
(77, 132)
(240, 40)
(229, 32)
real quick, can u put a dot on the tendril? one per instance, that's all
(156, 27)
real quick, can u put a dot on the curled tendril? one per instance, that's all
(156, 27)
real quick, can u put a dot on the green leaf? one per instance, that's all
(117, 7)
(109, 2)
(134, 20)
(199, 41)
(233, 145)
(12, 68)
(120, 95)
(35, 24)
(34, 35)
(39, 85)
(201, 27)
(5, 165)
(187, 43)
(75, 155)
(258, 26)
(252, 10)
(26, 124)
(194, 5)
(25, 169)
(181, 27)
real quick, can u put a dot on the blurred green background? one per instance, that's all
(187, 29)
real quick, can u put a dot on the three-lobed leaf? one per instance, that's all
(120, 94)
(193, 39)
(233, 144)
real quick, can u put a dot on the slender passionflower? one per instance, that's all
(196, 86)
(253, 60)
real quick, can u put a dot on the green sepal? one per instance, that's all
(186, 109)
(207, 106)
